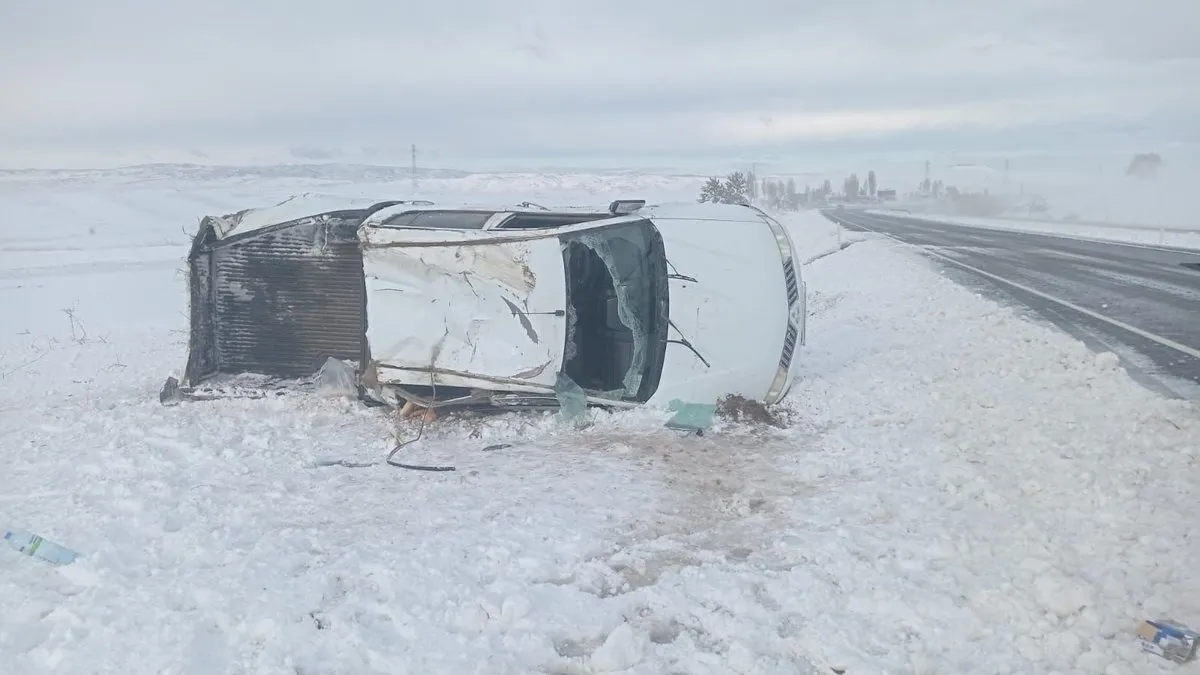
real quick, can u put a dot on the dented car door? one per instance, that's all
(454, 308)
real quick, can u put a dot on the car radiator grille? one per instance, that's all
(280, 302)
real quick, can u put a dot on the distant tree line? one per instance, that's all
(783, 194)
(735, 189)
(778, 195)
(854, 189)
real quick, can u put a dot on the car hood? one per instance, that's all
(470, 311)
(735, 313)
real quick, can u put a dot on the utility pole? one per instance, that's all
(413, 170)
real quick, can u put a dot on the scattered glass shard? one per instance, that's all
(336, 378)
(572, 399)
(691, 417)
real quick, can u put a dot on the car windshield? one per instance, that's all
(616, 310)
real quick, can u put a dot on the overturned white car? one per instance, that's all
(507, 307)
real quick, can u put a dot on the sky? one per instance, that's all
(571, 79)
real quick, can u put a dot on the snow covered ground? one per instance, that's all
(957, 490)
(1149, 235)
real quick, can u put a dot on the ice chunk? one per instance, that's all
(336, 378)
(1061, 595)
(621, 650)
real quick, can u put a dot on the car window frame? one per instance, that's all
(416, 214)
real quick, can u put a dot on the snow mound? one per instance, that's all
(1005, 485)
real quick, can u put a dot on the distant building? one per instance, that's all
(885, 195)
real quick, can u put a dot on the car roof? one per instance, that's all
(309, 204)
(673, 210)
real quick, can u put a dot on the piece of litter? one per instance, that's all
(1168, 639)
(42, 549)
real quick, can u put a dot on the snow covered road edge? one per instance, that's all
(1147, 236)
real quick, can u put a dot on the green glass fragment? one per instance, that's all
(572, 399)
(694, 417)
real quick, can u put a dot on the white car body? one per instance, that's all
(484, 309)
(502, 306)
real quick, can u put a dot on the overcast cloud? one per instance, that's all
(489, 77)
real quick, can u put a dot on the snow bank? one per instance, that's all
(998, 483)
(958, 490)
(815, 236)
(1148, 235)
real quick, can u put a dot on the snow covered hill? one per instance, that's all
(397, 180)
(957, 489)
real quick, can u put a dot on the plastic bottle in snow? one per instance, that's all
(36, 547)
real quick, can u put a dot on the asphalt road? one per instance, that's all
(1140, 302)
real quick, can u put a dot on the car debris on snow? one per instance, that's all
(498, 307)
(1168, 639)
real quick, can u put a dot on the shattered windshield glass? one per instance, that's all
(615, 301)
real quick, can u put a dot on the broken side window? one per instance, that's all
(439, 220)
(616, 313)
(538, 221)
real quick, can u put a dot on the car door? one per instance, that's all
(464, 308)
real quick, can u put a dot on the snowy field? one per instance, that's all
(1148, 235)
(957, 489)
